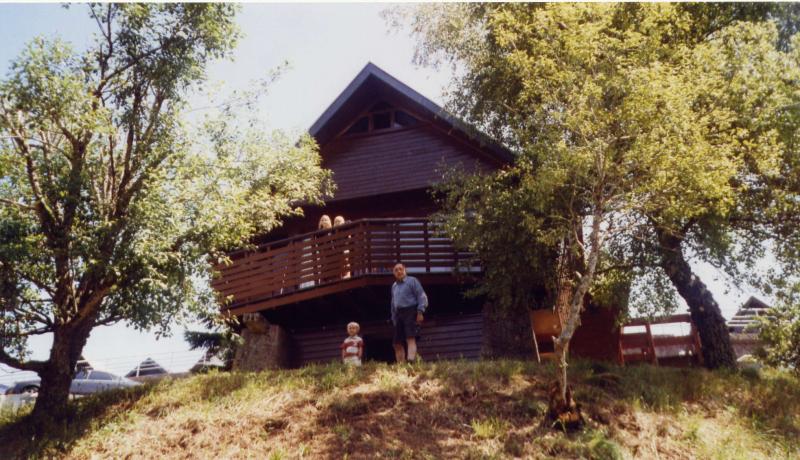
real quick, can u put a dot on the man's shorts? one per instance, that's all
(406, 325)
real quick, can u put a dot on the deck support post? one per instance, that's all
(265, 345)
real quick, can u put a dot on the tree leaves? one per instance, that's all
(654, 114)
(111, 208)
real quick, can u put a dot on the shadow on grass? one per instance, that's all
(388, 421)
(771, 400)
(609, 394)
(22, 438)
(488, 409)
(418, 410)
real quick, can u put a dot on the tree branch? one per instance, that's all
(8, 360)
(46, 214)
(18, 205)
(616, 267)
(135, 60)
(90, 301)
(111, 319)
(32, 332)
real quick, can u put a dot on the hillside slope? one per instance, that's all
(488, 409)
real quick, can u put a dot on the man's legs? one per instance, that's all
(400, 353)
(412, 348)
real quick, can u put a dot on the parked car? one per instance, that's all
(85, 382)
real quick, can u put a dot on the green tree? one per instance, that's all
(638, 137)
(111, 209)
(779, 331)
(696, 92)
(220, 340)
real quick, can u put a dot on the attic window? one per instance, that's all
(381, 117)
(382, 120)
(403, 119)
(361, 126)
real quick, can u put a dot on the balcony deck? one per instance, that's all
(349, 256)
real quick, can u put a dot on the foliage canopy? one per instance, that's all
(779, 331)
(110, 206)
(644, 133)
(681, 130)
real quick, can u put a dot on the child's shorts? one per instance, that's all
(352, 361)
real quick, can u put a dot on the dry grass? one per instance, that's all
(488, 409)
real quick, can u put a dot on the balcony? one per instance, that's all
(349, 256)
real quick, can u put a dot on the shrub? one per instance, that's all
(780, 332)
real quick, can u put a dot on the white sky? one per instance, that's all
(326, 45)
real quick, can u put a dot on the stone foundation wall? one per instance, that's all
(265, 345)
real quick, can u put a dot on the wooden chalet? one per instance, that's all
(386, 145)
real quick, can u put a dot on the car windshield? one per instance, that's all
(99, 375)
(81, 375)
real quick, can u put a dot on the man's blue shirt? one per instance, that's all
(407, 293)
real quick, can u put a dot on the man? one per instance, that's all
(409, 302)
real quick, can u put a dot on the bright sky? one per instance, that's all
(326, 45)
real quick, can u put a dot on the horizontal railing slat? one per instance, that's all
(361, 248)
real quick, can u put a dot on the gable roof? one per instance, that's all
(373, 83)
(83, 364)
(745, 319)
(146, 367)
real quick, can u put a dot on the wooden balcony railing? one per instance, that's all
(356, 250)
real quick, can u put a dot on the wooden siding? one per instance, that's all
(598, 336)
(393, 161)
(317, 346)
(452, 337)
(444, 337)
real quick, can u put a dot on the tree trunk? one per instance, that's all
(563, 407)
(57, 375)
(706, 315)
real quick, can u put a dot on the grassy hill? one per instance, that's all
(488, 409)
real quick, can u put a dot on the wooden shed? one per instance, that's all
(386, 145)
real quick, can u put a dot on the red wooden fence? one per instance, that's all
(644, 346)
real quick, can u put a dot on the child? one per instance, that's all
(353, 346)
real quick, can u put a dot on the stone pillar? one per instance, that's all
(265, 345)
